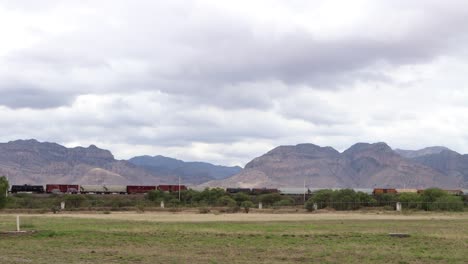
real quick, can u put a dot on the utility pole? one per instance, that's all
(304, 191)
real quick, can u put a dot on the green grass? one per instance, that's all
(69, 240)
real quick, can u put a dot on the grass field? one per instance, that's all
(236, 238)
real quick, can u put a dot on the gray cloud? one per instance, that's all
(210, 76)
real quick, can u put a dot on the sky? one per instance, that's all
(226, 81)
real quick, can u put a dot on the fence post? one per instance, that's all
(398, 207)
(18, 224)
(162, 204)
(315, 207)
(62, 205)
(260, 205)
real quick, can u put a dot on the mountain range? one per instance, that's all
(33, 162)
(363, 165)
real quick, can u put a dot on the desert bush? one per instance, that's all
(247, 205)
(269, 198)
(448, 203)
(226, 201)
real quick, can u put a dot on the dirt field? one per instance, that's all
(259, 217)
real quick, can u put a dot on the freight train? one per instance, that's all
(94, 189)
(142, 189)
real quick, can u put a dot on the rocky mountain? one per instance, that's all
(192, 172)
(422, 152)
(447, 162)
(30, 161)
(361, 166)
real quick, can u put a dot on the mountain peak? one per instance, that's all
(422, 152)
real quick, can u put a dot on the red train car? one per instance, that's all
(171, 188)
(62, 188)
(378, 191)
(133, 189)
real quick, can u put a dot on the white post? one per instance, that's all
(17, 224)
(260, 205)
(162, 204)
(62, 205)
(315, 207)
(179, 188)
(398, 207)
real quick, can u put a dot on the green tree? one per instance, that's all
(345, 199)
(430, 196)
(4, 186)
(270, 198)
(410, 200)
(227, 201)
(247, 205)
(242, 197)
(323, 198)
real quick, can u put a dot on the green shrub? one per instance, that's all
(247, 205)
(448, 203)
(323, 199)
(410, 200)
(269, 198)
(4, 186)
(226, 201)
(309, 205)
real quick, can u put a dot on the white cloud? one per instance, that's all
(226, 81)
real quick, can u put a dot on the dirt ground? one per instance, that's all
(258, 217)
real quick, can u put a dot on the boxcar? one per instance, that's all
(264, 190)
(62, 188)
(133, 189)
(238, 190)
(378, 191)
(27, 188)
(171, 188)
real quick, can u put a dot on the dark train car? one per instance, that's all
(27, 188)
(378, 191)
(238, 190)
(171, 188)
(134, 189)
(62, 188)
(256, 191)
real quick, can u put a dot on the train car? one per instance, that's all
(62, 188)
(97, 189)
(257, 191)
(238, 190)
(407, 190)
(26, 188)
(378, 191)
(171, 188)
(135, 189)
(115, 189)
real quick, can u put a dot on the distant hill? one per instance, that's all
(445, 161)
(191, 172)
(361, 166)
(422, 152)
(30, 161)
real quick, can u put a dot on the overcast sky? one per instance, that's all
(226, 81)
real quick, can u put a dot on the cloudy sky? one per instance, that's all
(225, 81)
